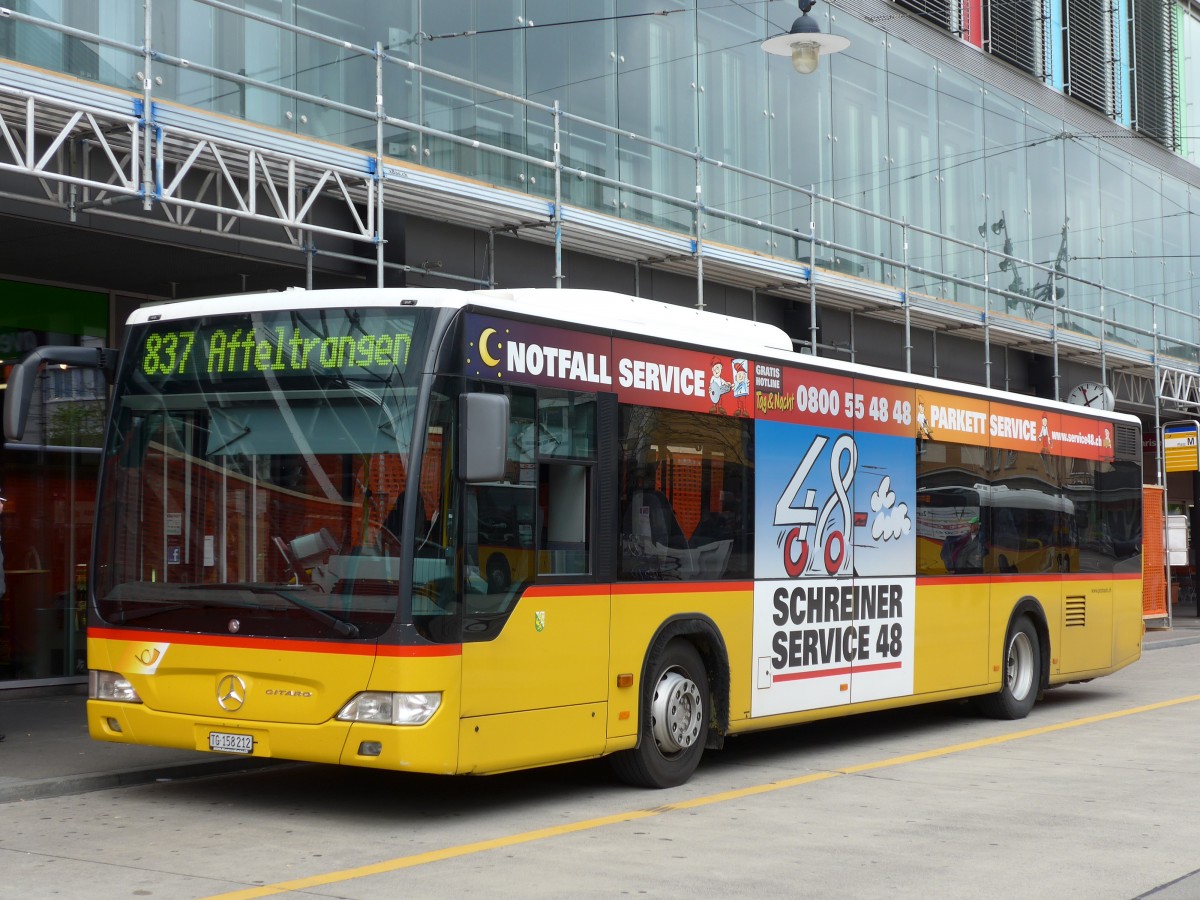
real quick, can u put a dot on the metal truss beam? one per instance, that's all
(97, 152)
(209, 175)
(1180, 388)
(69, 143)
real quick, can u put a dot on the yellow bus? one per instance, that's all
(474, 532)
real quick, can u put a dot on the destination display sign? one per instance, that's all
(350, 343)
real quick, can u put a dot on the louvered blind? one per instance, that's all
(1090, 63)
(1015, 31)
(943, 13)
(1154, 46)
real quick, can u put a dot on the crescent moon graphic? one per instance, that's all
(484, 353)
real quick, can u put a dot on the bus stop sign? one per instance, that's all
(1181, 449)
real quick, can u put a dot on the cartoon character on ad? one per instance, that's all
(741, 385)
(718, 387)
(834, 563)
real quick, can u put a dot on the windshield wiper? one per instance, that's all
(340, 625)
(191, 603)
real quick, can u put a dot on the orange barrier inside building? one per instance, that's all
(1154, 554)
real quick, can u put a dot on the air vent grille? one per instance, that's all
(1128, 442)
(1075, 612)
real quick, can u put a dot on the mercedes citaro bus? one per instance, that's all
(473, 532)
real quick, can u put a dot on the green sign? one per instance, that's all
(341, 342)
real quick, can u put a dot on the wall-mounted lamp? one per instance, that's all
(805, 43)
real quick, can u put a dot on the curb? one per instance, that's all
(1170, 642)
(45, 788)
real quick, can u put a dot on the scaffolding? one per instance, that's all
(86, 147)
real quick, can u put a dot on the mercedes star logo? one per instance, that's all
(231, 693)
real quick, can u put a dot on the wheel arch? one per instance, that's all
(1032, 607)
(703, 634)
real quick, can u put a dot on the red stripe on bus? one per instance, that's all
(683, 587)
(292, 645)
(565, 590)
(826, 673)
(1042, 578)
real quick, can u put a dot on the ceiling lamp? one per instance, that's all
(805, 43)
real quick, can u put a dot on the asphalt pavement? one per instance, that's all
(47, 751)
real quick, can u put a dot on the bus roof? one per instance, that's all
(604, 310)
(652, 320)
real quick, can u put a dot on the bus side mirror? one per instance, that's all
(483, 433)
(23, 380)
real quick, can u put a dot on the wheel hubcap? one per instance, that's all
(1019, 666)
(676, 713)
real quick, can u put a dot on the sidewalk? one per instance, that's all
(1185, 628)
(48, 752)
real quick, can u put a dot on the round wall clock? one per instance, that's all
(1093, 395)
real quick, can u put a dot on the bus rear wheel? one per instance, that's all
(1022, 674)
(674, 716)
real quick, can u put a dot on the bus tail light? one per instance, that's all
(391, 709)
(104, 685)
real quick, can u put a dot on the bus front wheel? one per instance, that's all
(674, 716)
(1022, 674)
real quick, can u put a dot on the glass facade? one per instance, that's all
(671, 102)
(49, 481)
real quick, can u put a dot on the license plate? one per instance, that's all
(222, 742)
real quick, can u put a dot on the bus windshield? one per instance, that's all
(255, 472)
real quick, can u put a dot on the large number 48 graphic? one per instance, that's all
(813, 526)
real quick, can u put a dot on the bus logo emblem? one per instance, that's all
(231, 693)
(539, 621)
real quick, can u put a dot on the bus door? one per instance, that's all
(534, 625)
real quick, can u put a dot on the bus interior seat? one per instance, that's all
(710, 560)
(650, 518)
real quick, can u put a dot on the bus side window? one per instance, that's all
(567, 519)
(951, 514)
(686, 508)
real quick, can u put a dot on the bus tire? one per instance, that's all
(675, 713)
(1022, 679)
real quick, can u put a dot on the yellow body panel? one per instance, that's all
(1129, 627)
(545, 689)
(952, 636)
(552, 651)
(638, 613)
(292, 691)
(535, 737)
(1085, 640)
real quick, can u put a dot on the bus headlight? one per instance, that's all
(111, 686)
(391, 709)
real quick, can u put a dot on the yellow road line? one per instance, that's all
(525, 837)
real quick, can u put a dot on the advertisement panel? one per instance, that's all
(690, 380)
(835, 484)
(501, 350)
